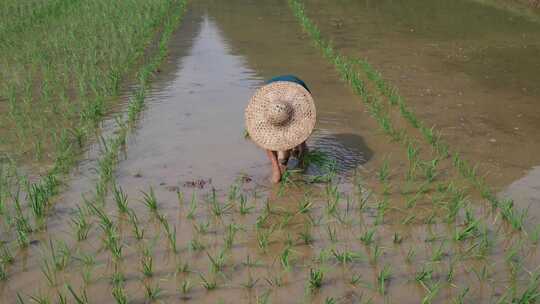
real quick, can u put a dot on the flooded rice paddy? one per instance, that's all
(176, 205)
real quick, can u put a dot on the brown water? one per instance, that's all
(192, 130)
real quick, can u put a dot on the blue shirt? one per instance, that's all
(290, 78)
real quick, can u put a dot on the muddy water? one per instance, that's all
(469, 69)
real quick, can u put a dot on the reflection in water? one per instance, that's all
(348, 150)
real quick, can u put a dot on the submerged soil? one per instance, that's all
(190, 142)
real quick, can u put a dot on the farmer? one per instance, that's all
(279, 118)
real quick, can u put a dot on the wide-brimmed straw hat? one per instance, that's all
(280, 115)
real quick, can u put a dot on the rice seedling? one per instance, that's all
(121, 199)
(263, 238)
(6, 257)
(81, 298)
(192, 206)
(411, 253)
(384, 171)
(460, 298)
(285, 258)
(305, 236)
(60, 256)
(424, 276)
(315, 278)
(147, 262)
(81, 224)
(368, 236)
(383, 277)
(119, 295)
(250, 282)
(469, 231)
(264, 298)
(231, 231)
(345, 257)
(431, 293)
(49, 273)
(180, 197)
(196, 245)
(330, 300)
(3, 272)
(217, 262)
(152, 293)
(397, 238)
(332, 233)
(138, 231)
(244, 208)
(40, 299)
(208, 284)
(171, 233)
(150, 200)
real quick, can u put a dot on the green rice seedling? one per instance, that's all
(382, 208)
(80, 224)
(408, 219)
(263, 239)
(460, 298)
(244, 208)
(150, 200)
(60, 256)
(332, 234)
(3, 272)
(233, 192)
(185, 288)
(513, 216)
(315, 278)
(430, 169)
(250, 282)
(20, 299)
(40, 299)
(49, 273)
(305, 236)
(397, 238)
(147, 263)
(217, 262)
(62, 298)
(152, 293)
(208, 284)
(196, 245)
(192, 206)
(305, 205)
(330, 300)
(180, 197)
(368, 236)
(275, 281)
(437, 253)
(469, 231)
(183, 267)
(6, 257)
(384, 171)
(431, 293)
(264, 298)
(411, 253)
(202, 228)
(382, 278)
(105, 223)
(231, 231)
(38, 200)
(345, 257)
(216, 208)
(285, 258)
(119, 295)
(251, 263)
(117, 278)
(81, 298)
(424, 276)
(171, 233)
(138, 231)
(121, 199)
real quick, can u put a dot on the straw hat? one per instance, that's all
(280, 115)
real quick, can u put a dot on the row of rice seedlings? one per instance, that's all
(346, 67)
(375, 109)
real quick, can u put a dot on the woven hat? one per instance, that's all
(280, 115)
